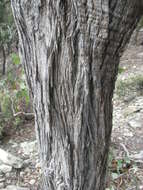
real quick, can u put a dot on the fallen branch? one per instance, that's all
(19, 113)
(23, 113)
(136, 158)
(125, 149)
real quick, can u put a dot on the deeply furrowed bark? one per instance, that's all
(70, 50)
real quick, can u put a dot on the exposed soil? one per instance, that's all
(127, 136)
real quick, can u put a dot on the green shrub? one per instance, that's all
(15, 59)
(14, 95)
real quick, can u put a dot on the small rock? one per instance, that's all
(32, 182)
(130, 110)
(129, 98)
(29, 147)
(135, 124)
(138, 156)
(38, 165)
(5, 168)
(22, 174)
(15, 145)
(10, 160)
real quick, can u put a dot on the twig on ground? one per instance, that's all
(19, 113)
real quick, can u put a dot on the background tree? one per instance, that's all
(71, 50)
(7, 30)
(14, 96)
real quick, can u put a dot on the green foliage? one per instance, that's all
(2, 9)
(15, 59)
(17, 121)
(120, 70)
(5, 105)
(14, 96)
(7, 26)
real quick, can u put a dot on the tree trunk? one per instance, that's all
(70, 50)
(4, 60)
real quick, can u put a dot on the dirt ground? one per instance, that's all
(127, 135)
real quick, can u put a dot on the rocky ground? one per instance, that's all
(20, 168)
(127, 136)
(20, 143)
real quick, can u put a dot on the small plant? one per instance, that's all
(132, 85)
(15, 59)
(120, 70)
(117, 167)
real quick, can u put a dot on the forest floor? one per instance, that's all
(126, 165)
(126, 154)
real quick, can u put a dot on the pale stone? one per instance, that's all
(135, 124)
(22, 174)
(130, 110)
(138, 156)
(5, 168)
(10, 160)
(1, 185)
(29, 147)
(38, 165)
(32, 182)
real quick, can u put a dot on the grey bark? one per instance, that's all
(4, 60)
(71, 50)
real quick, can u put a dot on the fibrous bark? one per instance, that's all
(71, 50)
(4, 60)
